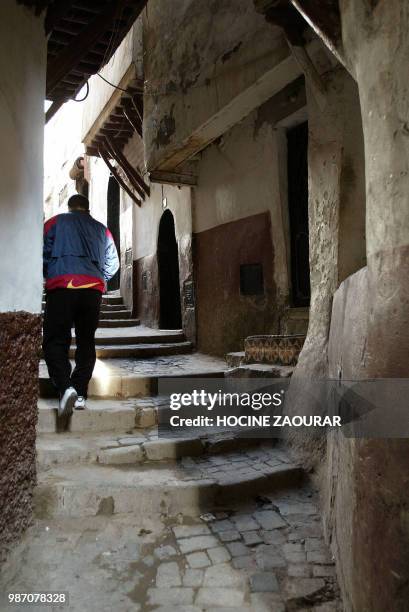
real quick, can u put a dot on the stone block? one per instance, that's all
(187, 531)
(297, 588)
(158, 450)
(121, 455)
(264, 582)
(188, 545)
(229, 536)
(245, 523)
(220, 597)
(198, 559)
(319, 557)
(193, 578)
(269, 519)
(299, 571)
(145, 418)
(165, 552)
(170, 596)
(222, 576)
(245, 562)
(168, 575)
(237, 549)
(219, 555)
(251, 538)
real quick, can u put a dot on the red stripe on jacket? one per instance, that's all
(75, 281)
(48, 224)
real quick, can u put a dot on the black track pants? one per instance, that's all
(67, 308)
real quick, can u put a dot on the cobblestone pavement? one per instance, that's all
(266, 555)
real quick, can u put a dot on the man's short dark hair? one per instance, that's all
(78, 202)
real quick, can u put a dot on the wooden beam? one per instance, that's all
(62, 64)
(173, 178)
(58, 10)
(133, 175)
(55, 107)
(104, 155)
(136, 125)
(324, 18)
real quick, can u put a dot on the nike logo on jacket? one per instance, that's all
(79, 252)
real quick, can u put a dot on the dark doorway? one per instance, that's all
(297, 164)
(168, 264)
(114, 225)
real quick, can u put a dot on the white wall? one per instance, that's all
(62, 145)
(147, 217)
(22, 86)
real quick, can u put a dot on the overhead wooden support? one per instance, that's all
(64, 62)
(116, 174)
(324, 18)
(132, 173)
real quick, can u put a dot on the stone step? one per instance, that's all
(191, 486)
(165, 337)
(112, 299)
(125, 378)
(113, 307)
(260, 370)
(140, 351)
(103, 323)
(116, 314)
(100, 416)
(130, 446)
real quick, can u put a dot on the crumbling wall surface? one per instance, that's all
(240, 217)
(340, 494)
(198, 57)
(335, 203)
(375, 40)
(146, 221)
(20, 335)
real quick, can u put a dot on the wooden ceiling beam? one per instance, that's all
(114, 171)
(134, 177)
(71, 56)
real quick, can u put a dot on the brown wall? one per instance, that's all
(20, 345)
(224, 317)
(366, 480)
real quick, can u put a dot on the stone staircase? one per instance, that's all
(129, 520)
(112, 454)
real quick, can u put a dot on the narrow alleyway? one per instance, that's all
(129, 521)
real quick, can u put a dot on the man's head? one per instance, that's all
(78, 202)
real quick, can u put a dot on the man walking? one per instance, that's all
(79, 258)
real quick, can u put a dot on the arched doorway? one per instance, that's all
(168, 264)
(114, 225)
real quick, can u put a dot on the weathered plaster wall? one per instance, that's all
(241, 216)
(189, 82)
(22, 69)
(62, 145)
(336, 202)
(146, 227)
(375, 41)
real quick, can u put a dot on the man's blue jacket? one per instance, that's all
(79, 252)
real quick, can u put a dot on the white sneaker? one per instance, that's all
(67, 402)
(80, 403)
